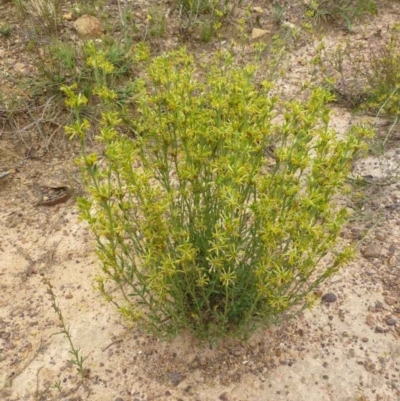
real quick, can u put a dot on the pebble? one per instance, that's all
(330, 297)
(379, 329)
(223, 397)
(365, 339)
(391, 322)
(237, 352)
(175, 378)
(390, 300)
(372, 251)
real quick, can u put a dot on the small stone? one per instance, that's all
(390, 300)
(370, 320)
(168, 393)
(258, 10)
(358, 233)
(365, 339)
(69, 296)
(372, 251)
(203, 361)
(237, 352)
(223, 397)
(392, 261)
(175, 378)
(90, 26)
(391, 322)
(20, 67)
(67, 16)
(325, 377)
(330, 297)
(379, 329)
(318, 293)
(258, 33)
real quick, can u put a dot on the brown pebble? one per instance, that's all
(365, 339)
(390, 300)
(224, 397)
(379, 329)
(372, 251)
(370, 320)
(391, 322)
(68, 296)
(330, 297)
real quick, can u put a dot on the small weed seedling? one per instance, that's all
(77, 359)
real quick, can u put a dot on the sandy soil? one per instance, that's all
(346, 350)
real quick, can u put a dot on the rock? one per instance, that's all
(379, 329)
(223, 397)
(237, 351)
(67, 16)
(20, 67)
(318, 293)
(390, 300)
(391, 321)
(392, 261)
(175, 377)
(88, 25)
(372, 251)
(370, 320)
(364, 339)
(257, 33)
(329, 298)
(258, 10)
(357, 233)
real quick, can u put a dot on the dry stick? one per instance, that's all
(110, 345)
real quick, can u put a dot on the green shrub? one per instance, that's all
(213, 217)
